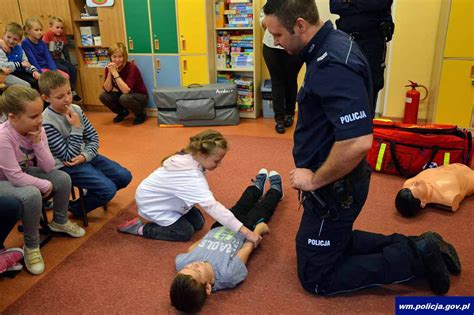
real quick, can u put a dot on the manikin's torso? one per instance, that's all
(446, 185)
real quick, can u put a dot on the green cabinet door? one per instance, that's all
(137, 26)
(163, 21)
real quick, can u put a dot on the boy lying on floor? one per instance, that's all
(217, 261)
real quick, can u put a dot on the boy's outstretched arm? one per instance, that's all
(248, 247)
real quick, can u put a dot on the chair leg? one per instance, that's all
(83, 208)
(106, 206)
(45, 232)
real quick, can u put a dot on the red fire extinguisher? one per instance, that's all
(412, 101)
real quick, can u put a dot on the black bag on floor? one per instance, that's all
(198, 105)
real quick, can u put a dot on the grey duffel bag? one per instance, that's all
(198, 105)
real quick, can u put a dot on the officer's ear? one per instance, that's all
(301, 25)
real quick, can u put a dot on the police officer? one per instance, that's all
(370, 24)
(332, 135)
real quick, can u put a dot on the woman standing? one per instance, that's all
(284, 69)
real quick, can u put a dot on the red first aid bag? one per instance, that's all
(405, 149)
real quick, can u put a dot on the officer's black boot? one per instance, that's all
(448, 252)
(436, 271)
(280, 127)
(289, 119)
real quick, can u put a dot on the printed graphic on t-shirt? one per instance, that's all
(56, 48)
(223, 240)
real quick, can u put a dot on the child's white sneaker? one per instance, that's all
(275, 182)
(33, 260)
(70, 228)
(261, 179)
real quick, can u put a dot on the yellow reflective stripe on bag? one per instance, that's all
(447, 158)
(378, 166)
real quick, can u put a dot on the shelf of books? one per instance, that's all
(237, 51)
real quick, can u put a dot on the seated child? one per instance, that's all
(23, 140)
(74, 144)
(10, 259)
(217, 261)
(13, 59)
(167, 198)
(57, 45)
(36, 50)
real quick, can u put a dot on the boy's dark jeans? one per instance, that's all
(251, 210)
(101, 177)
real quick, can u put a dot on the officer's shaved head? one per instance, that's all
(288, 11)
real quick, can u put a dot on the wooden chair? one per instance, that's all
(80, 199)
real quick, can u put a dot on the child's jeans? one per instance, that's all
(10, 209)
(182, 230)
(69, 68)
(22, 76)
(101, 177)
(31, 200)
(11, 79)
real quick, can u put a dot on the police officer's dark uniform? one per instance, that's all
(333, 106)
(370, 23)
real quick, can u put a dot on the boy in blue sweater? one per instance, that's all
(74, 144)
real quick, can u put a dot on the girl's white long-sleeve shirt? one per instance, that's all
(173, 189)
(17, 153)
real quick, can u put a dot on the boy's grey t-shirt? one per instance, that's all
(219, 247)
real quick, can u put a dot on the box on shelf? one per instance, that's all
(87, 40)
(89, 30)
(267, 102)
(97, 41)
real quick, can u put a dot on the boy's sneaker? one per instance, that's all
(261, 179)
(275, 182)
(9, 259)
(33, 260)
(131, 227)
(70, 228)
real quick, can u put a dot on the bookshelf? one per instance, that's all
(237, 50)
(94, 33)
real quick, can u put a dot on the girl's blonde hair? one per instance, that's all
(118, 47)
(205, 142)
(15, 97)
(29, 23)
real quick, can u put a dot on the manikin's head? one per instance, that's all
(406, 204)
